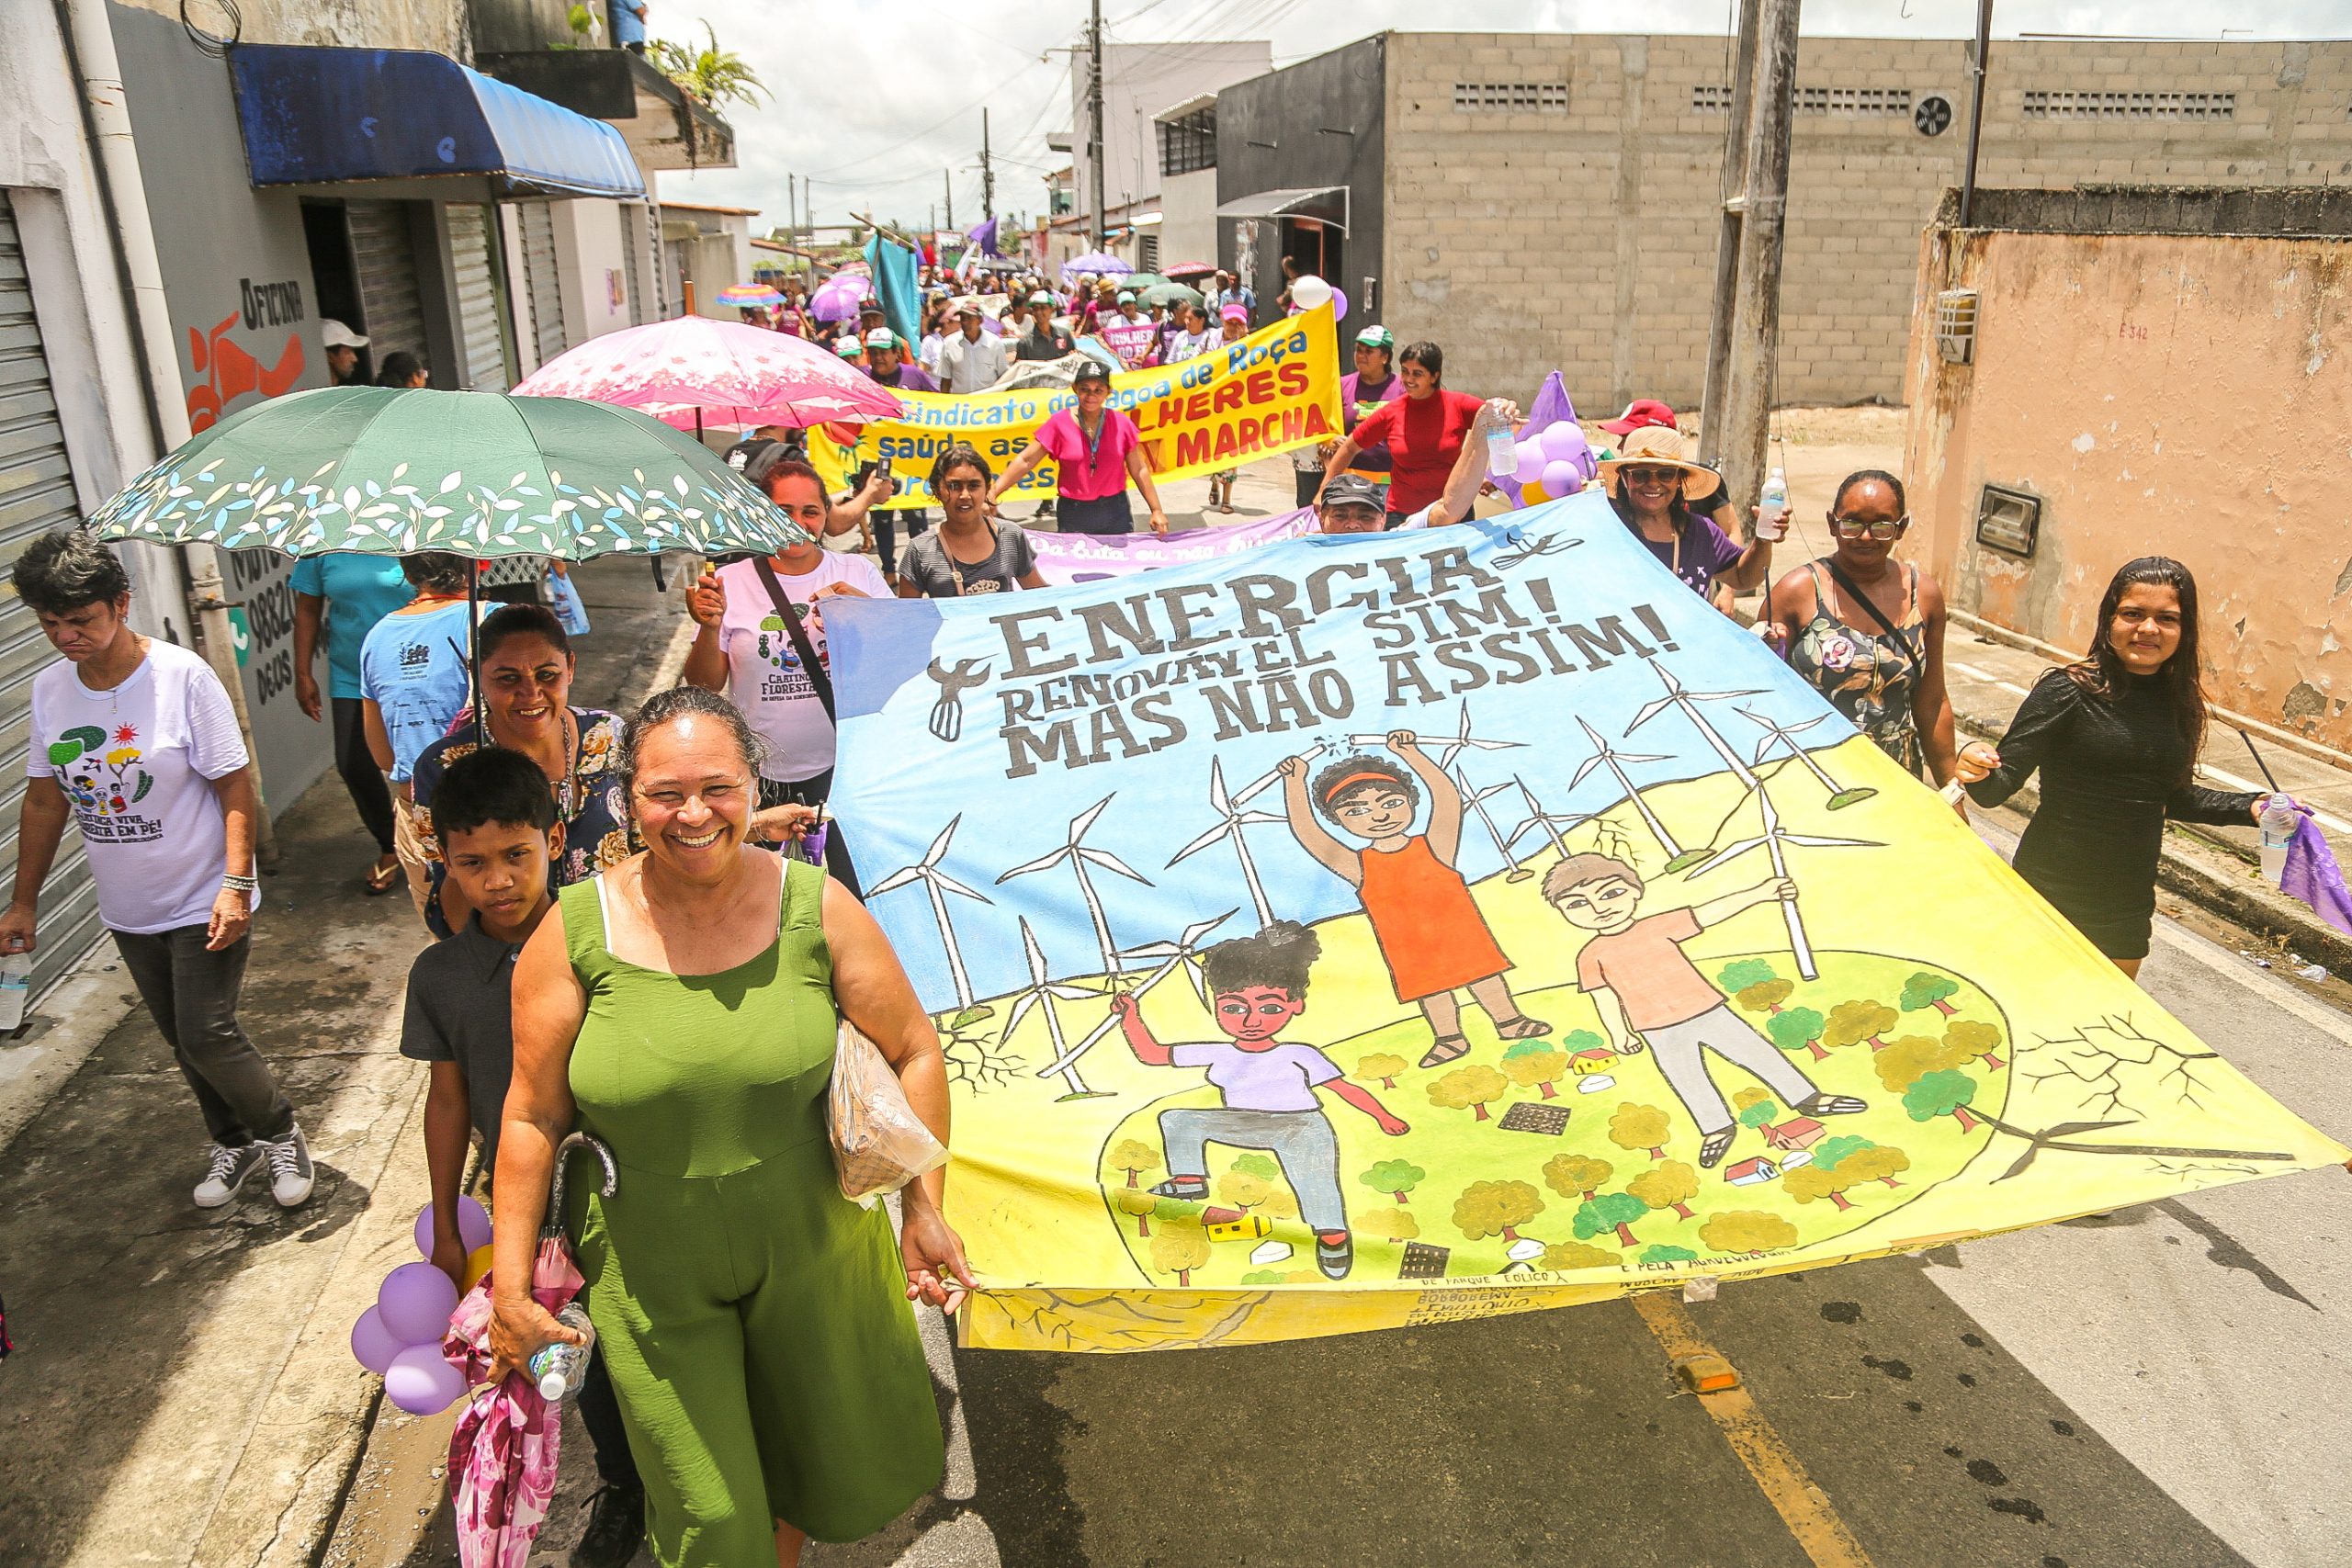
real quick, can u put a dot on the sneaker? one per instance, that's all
(616, 1527)
(1335, 1257)
(226, 1173)
(289, 1167)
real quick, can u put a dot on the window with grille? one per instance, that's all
(1187, 144)
(2131, 105)
(1491, 97)
(1148, 252)
(1862, 103)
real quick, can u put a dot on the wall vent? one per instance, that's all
(1956, 325)
(2007, 519)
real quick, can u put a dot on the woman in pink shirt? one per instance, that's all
(1096, 450)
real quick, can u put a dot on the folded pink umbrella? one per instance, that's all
(694, 372)
(503, 1455)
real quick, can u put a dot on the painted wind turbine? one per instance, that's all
(1234, 820)
(1449, 747)
(1080, 857)
(937, 883)
(1605, 756)
(1773, 841)
(1677, 697)
(1785, 735)
(1040, 993)
(1476, 799)
(1554, 823)
(1183, 952)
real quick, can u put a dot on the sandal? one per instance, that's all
(1712, 1151)
(381, 881)
(1521, 1027)
(1445, 1048)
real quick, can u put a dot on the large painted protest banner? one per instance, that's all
(1089, 557)
(1277, 388)
(1439, 925)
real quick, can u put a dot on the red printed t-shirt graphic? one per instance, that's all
(1081, 475)
(1424, 437)
(1643, 964)
(1430, 931)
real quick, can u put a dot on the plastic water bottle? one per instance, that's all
(1502, 451)
(2279, 821)
(558, 1368)
(1772, 510)
(16, 986)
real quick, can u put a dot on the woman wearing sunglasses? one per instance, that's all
(1868, 631)
(1649, 482)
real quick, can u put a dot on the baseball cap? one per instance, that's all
(1353, 489)
(1126, 297)
(1376, 337)
(1041, 297)
(1090, 370)
(869, 306)
(1639, 412)
(849, 347)
(881, 337)
(969, 307)
(337, 335)
(1235, 313)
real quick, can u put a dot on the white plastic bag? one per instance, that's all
(879, 1144)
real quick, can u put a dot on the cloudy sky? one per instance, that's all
(875, 109)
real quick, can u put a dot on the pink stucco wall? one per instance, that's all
(2188, 396)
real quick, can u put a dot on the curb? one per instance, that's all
(2215, 876)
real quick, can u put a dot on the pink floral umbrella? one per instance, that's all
(694, 372)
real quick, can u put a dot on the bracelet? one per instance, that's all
(235, 884)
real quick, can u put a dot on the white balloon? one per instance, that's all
(1309, 292)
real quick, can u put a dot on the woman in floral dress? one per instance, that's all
(526, 668)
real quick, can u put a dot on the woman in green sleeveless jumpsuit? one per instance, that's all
(755, 1322)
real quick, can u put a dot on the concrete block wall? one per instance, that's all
(1584, 237)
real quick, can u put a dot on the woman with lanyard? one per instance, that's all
(1423, 432)
(1645, 482)
(1868, 631)
(969, 552)
(527, 668)
(760, 637)
(1095, 449)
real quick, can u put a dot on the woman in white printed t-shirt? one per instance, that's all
(136, 741)
(744, 647)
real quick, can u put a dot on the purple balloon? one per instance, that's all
(415, 1303)
(473, 1226)
(421, 1382)
(1531, 463)
(1559, 441)
(372, 1343)
(1560, 477)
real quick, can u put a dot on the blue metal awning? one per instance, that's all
(316, 115)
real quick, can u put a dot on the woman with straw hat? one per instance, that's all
(1646, 481)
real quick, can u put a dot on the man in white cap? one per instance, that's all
(970, 359)
(343, 352)
(886, 363)
(1132, 335)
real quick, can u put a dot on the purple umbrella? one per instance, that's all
(1101, 264)
(838, 298)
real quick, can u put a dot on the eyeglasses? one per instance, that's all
(1856, 527)
(1651, 476)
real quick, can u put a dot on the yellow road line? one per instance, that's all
(1803, 1506)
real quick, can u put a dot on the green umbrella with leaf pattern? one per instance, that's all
(385, 470)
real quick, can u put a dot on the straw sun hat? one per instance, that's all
(1651, 447)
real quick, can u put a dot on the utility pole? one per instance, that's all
(1094, 120)
(988, 172)
(1739, 409)
(948, 181)
(791, 209)
(1975, 110)
(1735, 183)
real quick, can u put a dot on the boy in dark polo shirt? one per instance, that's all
(499, 831)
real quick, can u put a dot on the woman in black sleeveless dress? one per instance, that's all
(2116, 738)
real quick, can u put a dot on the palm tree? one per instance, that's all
(710, 73)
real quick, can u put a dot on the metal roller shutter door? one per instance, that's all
(36, 495)
(386, 259)
(478, 316)
(541, 278)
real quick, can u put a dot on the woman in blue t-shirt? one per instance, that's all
(348, 594)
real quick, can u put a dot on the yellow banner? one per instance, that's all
(1275, 389)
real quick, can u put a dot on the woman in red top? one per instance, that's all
(1423, 430)
(1428, 925)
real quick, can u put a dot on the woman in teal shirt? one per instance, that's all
(350, 593)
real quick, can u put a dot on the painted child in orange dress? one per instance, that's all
(1430, 931)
